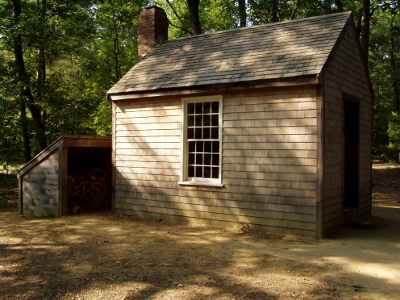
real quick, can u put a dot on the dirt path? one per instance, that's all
(103, 256)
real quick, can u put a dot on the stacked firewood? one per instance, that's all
(87, 189)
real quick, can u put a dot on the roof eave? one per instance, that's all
(212, 88)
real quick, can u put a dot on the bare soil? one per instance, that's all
(105, 256)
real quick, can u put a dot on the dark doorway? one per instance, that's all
(351, 154)
(89, 179)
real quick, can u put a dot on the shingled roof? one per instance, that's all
(264, 52)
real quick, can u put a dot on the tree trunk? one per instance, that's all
(339, 5)
(294, 11)
(274, 17)
(116, 59)
(25, 133)
(243, 13)
(358, 24)
(194, 15)
(23, 79)
(41, 70)
(365, 20)
(393, 64)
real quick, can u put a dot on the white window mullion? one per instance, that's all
(201, 140)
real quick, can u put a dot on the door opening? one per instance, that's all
(351, 154)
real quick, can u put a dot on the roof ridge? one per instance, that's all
(280, 23)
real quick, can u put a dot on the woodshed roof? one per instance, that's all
(67, 140)
(272, 51)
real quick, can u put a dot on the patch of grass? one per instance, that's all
(242, 227)
(42, 214)
(15, 168)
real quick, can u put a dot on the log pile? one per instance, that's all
(88, 189)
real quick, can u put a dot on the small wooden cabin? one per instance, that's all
(66, 176)
(268, 126)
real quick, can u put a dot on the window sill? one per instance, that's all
(194, 183)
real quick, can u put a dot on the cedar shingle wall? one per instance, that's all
(40, 188)
(269, 162)
(345, 74)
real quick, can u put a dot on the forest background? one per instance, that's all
(59, 57)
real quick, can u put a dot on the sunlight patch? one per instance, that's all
(389, 273)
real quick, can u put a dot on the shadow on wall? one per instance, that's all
(269, 162)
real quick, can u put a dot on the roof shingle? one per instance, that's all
(271, 51)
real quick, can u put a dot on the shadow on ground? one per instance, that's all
(104, 256)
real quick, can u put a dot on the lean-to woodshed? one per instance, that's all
(70, 175)
(268, 125)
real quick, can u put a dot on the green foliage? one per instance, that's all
(10, 140)
(42, 213)
(214, 15)
(102, 119)
(394, 138)
(384, 63)
(7, 184)
(4, 204)
(114, 50)
(8, 181)
(74, 51)
(267, 11)
(37, 36)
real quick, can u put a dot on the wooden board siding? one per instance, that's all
(269, 161)
(345, 76)
(40, 187)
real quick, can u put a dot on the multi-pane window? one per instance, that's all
(202, 139)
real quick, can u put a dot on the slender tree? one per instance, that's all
(365, 28)
(242, 13)
(38, 34)
(394, 63)
(24, 78)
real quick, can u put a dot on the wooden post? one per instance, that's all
(113, 176)
(63, 179)
(20, 195)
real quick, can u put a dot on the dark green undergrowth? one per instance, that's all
(8, 181)
(8, 190)
(386, 185)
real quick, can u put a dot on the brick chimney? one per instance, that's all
(153, 29)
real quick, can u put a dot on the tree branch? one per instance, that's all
(174, 11)
(180, 27)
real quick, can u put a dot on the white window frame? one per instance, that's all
(185, 179)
